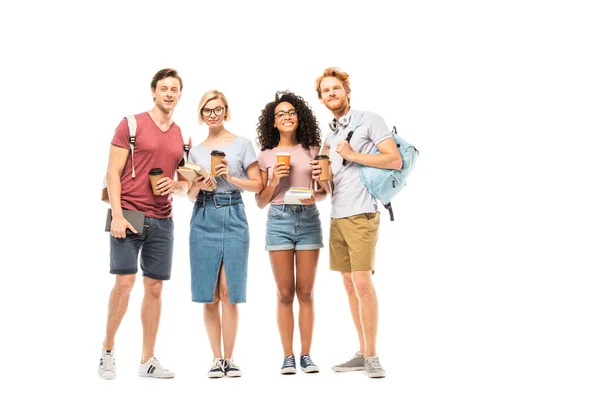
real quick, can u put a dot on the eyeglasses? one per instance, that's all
(218, 111)
(291, 114)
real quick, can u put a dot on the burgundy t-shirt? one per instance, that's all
(153, 149)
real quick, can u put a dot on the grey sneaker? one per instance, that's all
(107, 369)
(356, 363)
(374, 369)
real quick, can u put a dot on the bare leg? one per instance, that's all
(368, 306)
(230, 316)
(354, 308)
(117, 306)
(212, 323)
(282, 264)
(151, 305)
(306, 272)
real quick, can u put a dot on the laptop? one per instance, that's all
(135, 218)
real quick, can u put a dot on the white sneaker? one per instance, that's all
(107, 369)
(153, 369)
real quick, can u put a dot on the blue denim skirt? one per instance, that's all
(219, 234)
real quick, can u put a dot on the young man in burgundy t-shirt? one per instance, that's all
(158, 144)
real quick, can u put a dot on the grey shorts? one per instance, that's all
(156, 246)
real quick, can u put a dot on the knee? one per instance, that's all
(286, 297)
(364, 288)
(304, 296)
(349, 285)
(123, 286)
(223, 294)
(212, 307)
(153, 289)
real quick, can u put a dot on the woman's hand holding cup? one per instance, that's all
(281, 170)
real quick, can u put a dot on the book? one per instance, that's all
(295, 194)
(190, 171)
(135, 218)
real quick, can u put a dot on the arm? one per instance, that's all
(265, 196)
(197, 185)
(116, 162)
(388, 159)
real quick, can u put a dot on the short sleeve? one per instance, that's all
(248, 154)
(262, 162)
(378, 130)
(121, 137)
(314, 151)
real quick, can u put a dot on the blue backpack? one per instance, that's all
(384, 184)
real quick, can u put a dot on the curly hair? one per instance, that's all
(308, 132)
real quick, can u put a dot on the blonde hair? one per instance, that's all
(334, 72)
(212, 95)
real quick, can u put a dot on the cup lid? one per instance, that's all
(155, 171)
(217, 153)
(322, 157)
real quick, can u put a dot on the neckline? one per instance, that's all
(218, 147)
(156, 125)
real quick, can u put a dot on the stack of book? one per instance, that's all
(190, 171)
(295, 194)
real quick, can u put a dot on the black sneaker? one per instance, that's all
(231, 369)
(217, 370)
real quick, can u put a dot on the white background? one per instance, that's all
(488, 280)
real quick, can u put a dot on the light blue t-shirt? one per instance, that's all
(350, 196)
(239, 153)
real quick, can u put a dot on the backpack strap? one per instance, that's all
(132, 124)
(352, 129)
(388, 207)
(187, 145)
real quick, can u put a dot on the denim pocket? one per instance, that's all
(275, 212)
(312, 212)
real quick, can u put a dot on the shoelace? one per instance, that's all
(217, 364)
(289, 362)
(308, 361)
(374, 363)
(108, 361)
(357, 355)
(231, 364)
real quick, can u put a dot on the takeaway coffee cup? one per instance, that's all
(216, 158)
(156, 174)
(283, 157)
(323, 161)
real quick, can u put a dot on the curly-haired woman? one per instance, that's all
(294, 234)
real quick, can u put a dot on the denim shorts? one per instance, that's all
(156, 244)
(219, 235)
(293, 227)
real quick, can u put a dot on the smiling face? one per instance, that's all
(167, 94)
(286, 119)
(334, 96)
(214, 112)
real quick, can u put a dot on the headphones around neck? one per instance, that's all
(343, 122)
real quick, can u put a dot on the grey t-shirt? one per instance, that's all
(239, 153)
(350, 196)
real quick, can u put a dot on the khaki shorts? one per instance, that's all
(352, 242)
